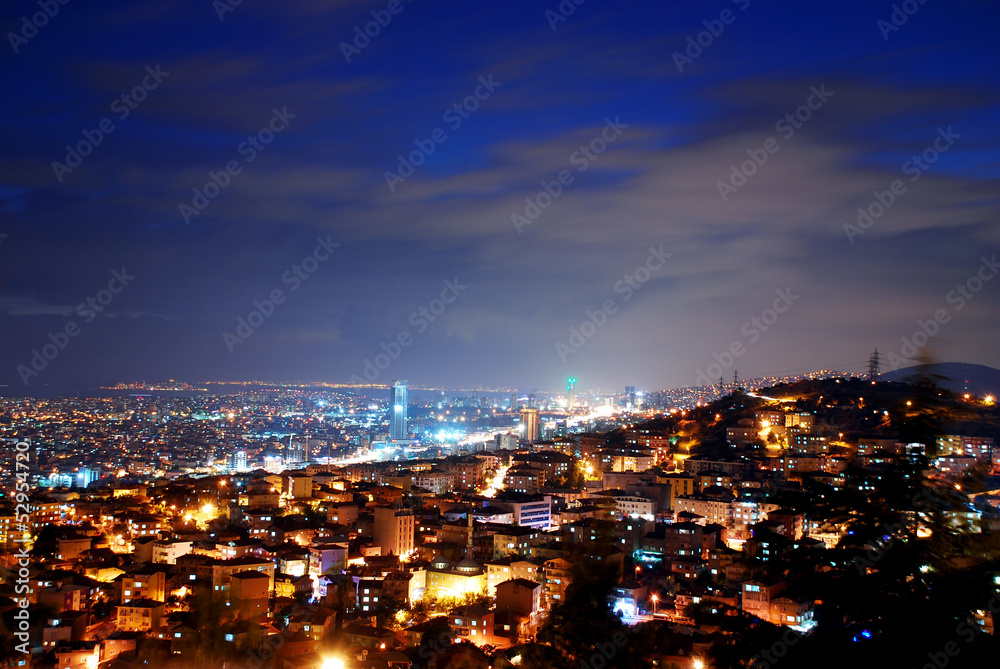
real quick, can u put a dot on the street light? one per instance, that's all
(332, 663)
(655, 599)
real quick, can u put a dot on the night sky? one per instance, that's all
(577, 214)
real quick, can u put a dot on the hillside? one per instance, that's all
(958, 377)
(849, 409)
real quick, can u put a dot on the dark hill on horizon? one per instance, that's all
(958, 377)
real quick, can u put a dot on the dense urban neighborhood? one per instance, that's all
(324, 529)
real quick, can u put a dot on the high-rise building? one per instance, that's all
(393, 530)
(630, 396)
(571, 391)
(397, 411)
(505, 442)
(237, 461)
(530, 424)
(87, 475)
(295, 452)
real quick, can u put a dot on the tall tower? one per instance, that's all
(472, 529)
(397, 411)
(873, 366)
(630, 396)
(571, 389)
(529, 419)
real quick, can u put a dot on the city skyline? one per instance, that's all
(274, 511)
(242, 191)
(395, 334)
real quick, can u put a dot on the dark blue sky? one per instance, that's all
(654, 180)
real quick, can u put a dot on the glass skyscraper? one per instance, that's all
(397, 411)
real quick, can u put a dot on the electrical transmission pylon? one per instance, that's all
(873, 366)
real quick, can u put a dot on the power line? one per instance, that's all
(873, 366)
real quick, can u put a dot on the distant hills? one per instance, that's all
(958, 377)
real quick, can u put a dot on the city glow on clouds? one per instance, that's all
(655, 184)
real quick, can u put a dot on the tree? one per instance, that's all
(46, 542)
(583, 627)
(480, 598)
(421, 610)
(209, 616)
(904, 577)
(437, 638)
(386, 610)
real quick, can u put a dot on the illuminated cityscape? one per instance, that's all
(186, 526)
(568, 334)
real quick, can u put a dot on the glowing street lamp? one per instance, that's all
(655, 599)
(332, 663)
